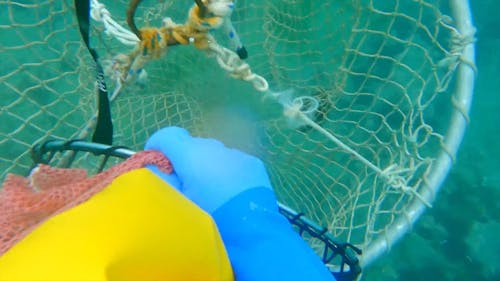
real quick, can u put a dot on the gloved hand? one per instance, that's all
(205, 170)
(234, 188)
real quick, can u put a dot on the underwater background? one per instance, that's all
(459, 238)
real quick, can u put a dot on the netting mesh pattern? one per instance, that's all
(43, 78)
(380, 70)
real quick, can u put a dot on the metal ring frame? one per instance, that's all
(341, 257)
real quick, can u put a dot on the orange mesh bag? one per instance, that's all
(25, 203)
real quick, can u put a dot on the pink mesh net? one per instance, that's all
(27, 202)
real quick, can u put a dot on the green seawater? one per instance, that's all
(455, 240)
(458, 238)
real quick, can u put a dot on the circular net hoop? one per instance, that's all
(366, 106)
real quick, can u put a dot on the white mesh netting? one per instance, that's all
(381, 72)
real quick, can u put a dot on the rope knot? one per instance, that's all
(98, 11)
(202, 24)
(153, 41)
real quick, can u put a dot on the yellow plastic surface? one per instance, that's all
(138, 228)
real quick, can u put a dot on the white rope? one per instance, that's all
(221, 8)
(301, 110)
(101, 14)
(229, 61)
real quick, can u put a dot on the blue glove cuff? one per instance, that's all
(262, 244)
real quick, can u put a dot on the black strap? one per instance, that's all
(103, 132)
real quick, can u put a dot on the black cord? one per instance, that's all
(103, 132)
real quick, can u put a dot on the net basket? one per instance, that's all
(357, 107)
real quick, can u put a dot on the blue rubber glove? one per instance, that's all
(205, 170)
(234, 188)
